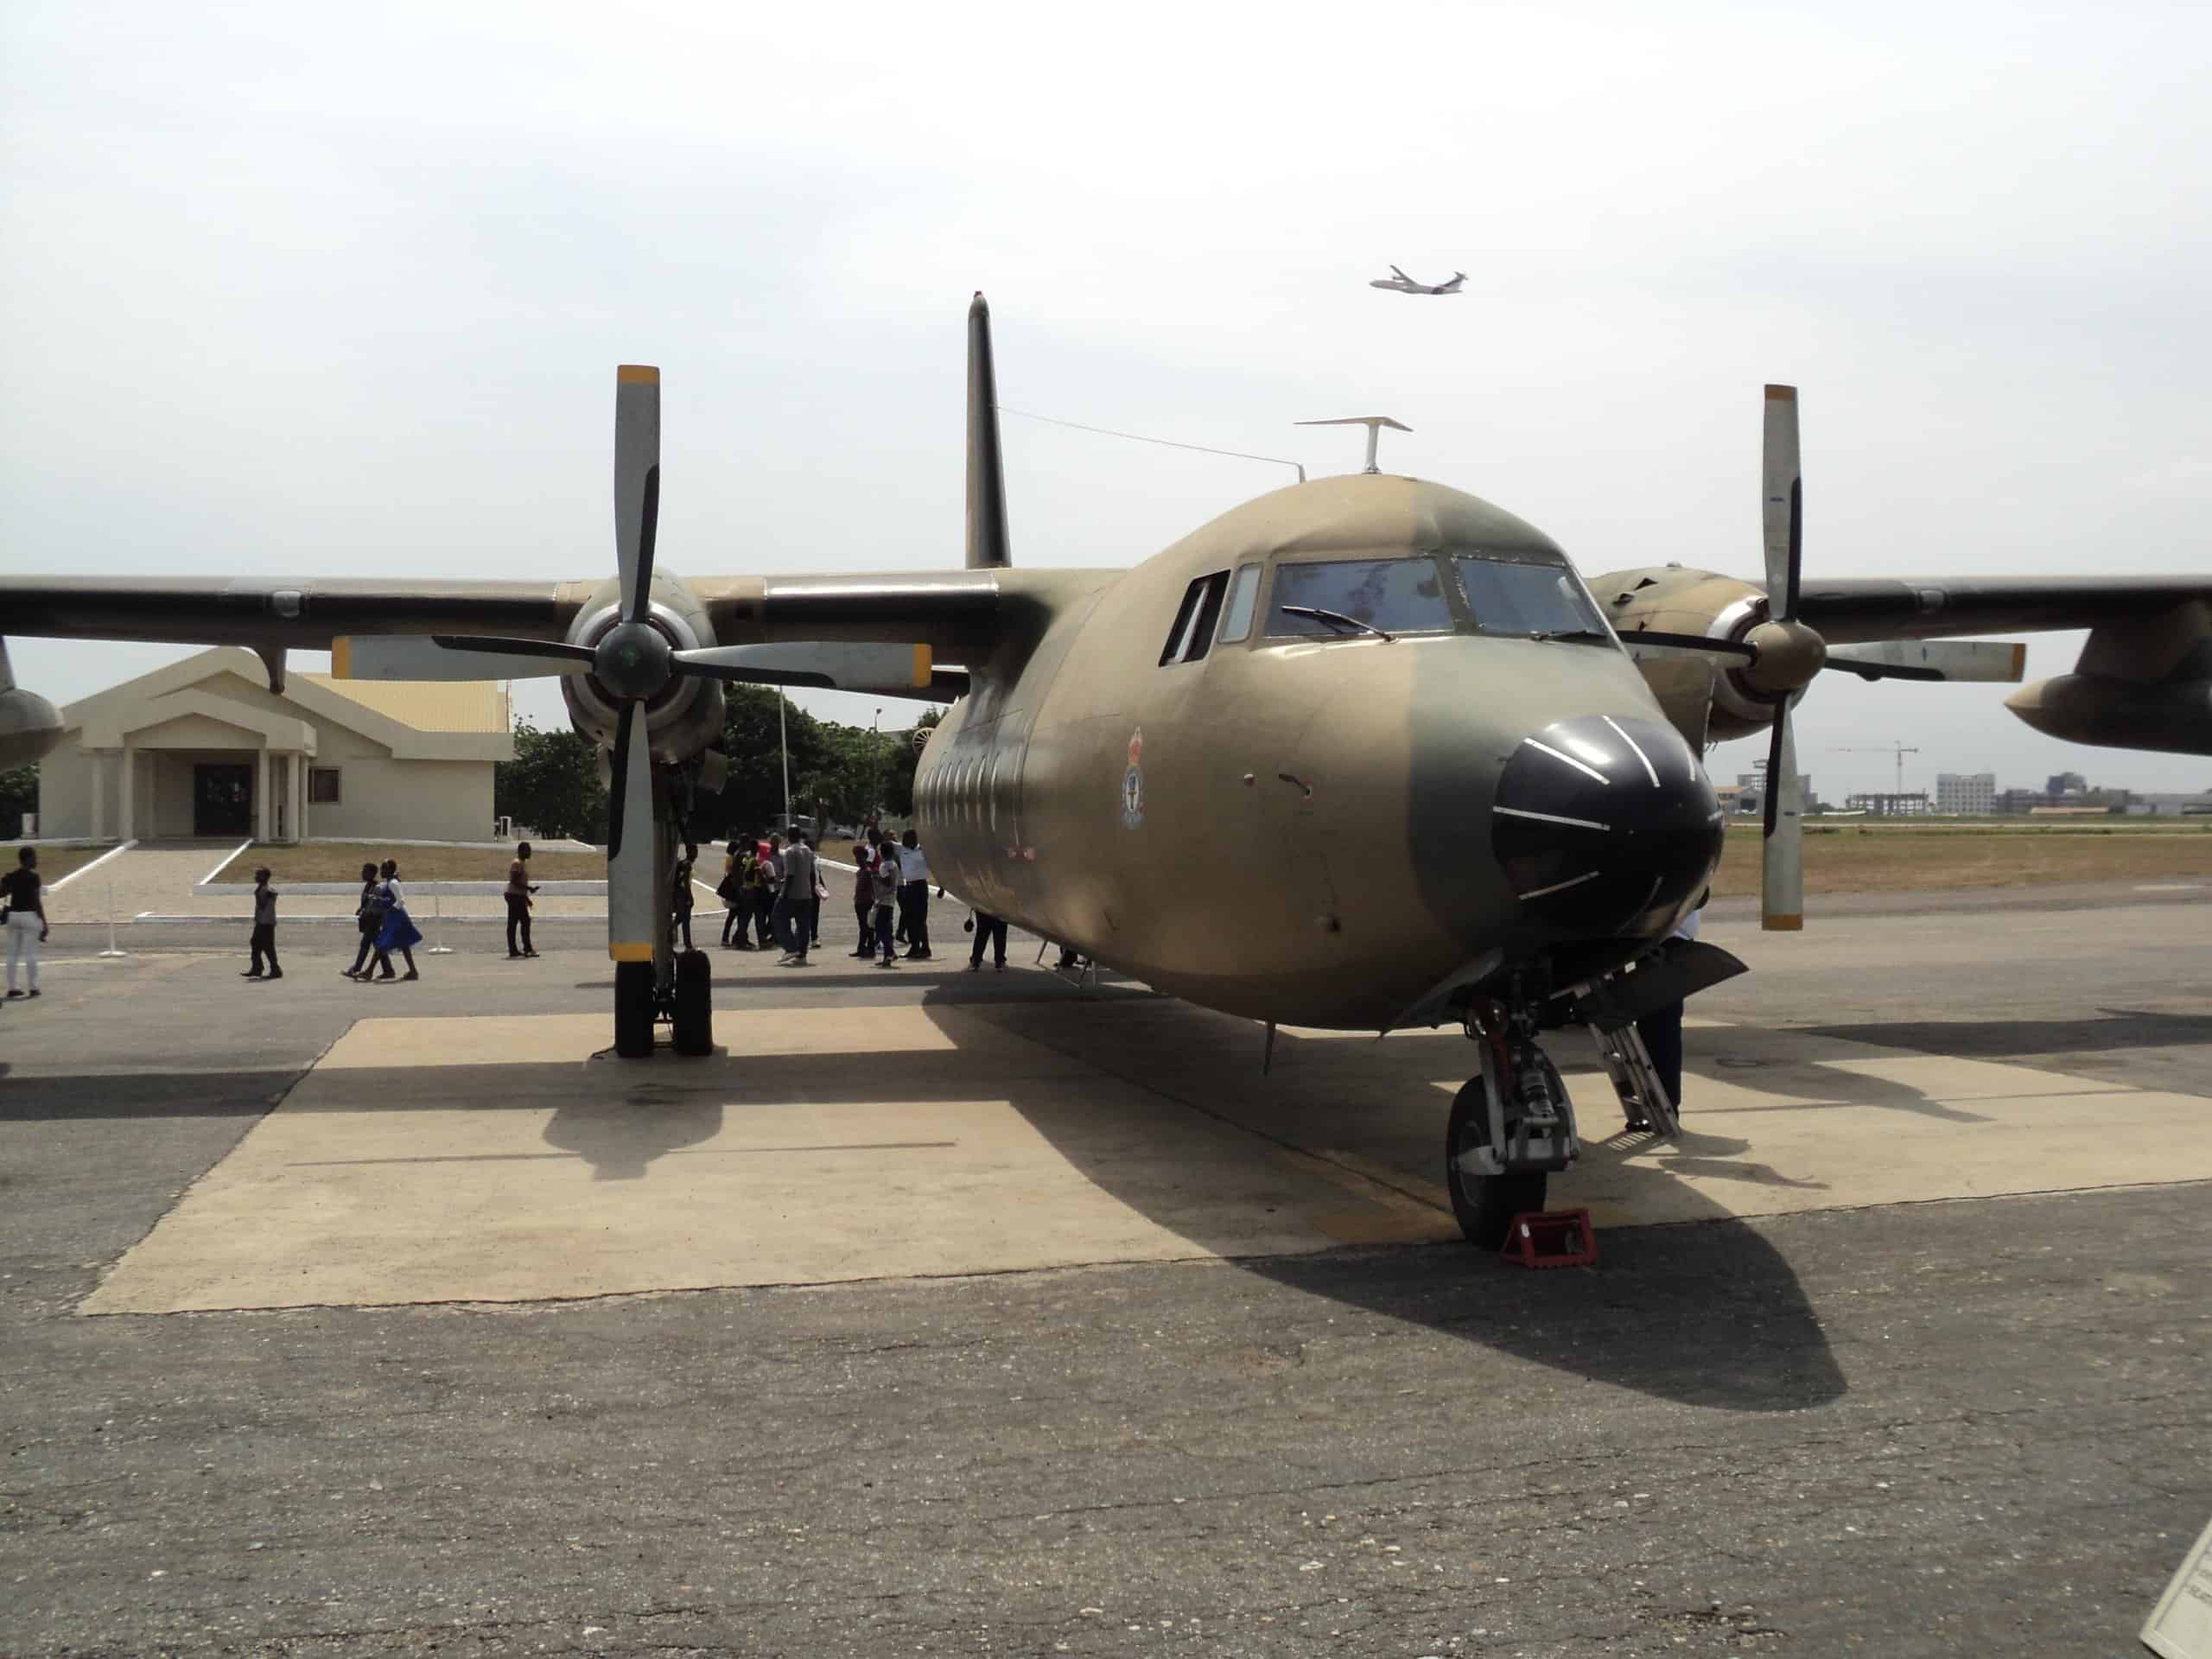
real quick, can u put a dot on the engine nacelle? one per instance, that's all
(29, 727)
(2169, 716)
(1669, 598)
(684, 716)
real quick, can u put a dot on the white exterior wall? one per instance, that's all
(381, 795)
(1966, 791)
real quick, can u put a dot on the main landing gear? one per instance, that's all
(1511, 1125)
(686, 1003)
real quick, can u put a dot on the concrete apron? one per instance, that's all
(495, 1159)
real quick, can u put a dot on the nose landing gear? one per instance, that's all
(1511, 1125)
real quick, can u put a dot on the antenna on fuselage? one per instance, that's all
(987, 537)
(1374, 424)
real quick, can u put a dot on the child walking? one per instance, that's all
(263, 943)
(398, 933)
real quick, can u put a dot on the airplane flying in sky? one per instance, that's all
(1365, 752)
(1399, 282)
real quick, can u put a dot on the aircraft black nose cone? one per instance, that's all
(1606, 825)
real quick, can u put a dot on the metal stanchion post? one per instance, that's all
(438, 923)
(111, 949)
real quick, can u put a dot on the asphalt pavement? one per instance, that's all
(1934, 1428)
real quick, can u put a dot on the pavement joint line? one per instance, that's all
(1196, 1260)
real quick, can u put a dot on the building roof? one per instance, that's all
(479, 706)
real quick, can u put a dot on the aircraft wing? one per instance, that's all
(1863, 610)
(962, 615)
(273, 614)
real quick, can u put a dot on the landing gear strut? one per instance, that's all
(1511, 1125)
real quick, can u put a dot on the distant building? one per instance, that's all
(2172, 806)
(1966, 791)
(2060, 785)
(204, 748)
(1887, 805)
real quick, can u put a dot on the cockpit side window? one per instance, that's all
(1356, 596)
(1527, 598)
(1243, 593)
(1189, 640)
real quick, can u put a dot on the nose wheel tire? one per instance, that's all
(693, 1017)
(1485, 1205)
(634, 1009)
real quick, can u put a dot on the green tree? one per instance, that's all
(18, 795)
(552, 785)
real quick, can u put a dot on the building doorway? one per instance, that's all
(222, 800)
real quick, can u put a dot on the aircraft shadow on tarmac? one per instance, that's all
(2114, 1029)
(1709, 1315)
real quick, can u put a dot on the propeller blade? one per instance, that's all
(1692, 642)
(549, 650)
(637, 483)
(1784, 489)
(1781, 891)
(630, 873)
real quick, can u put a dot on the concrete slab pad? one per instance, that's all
(487, 1160)
(494, 1158)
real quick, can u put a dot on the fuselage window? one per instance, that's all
(1195, 619)
(1360, 596)
(1525, 598)
(1236, 614)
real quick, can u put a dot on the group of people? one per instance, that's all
(382, 922)
(772, 888)
(892, 875)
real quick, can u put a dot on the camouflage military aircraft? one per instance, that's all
(1364, 753)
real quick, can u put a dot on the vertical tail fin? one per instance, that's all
(987, 537)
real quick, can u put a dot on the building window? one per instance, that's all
(323, 786)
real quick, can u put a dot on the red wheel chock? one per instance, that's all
(1552, 1238)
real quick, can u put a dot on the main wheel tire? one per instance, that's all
(1485, 1205)
(695, 1004)
(634, 1009)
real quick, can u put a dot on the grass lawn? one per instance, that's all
(1866, 858)
(53, 862)
(332, 861)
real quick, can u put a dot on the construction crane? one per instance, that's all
(1900, 750)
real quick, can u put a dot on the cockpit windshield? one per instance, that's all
(1530, 599)
(1343, 596)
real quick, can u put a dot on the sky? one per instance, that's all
(310, 291)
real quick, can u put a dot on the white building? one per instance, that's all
(204, 748)
(1966, 791)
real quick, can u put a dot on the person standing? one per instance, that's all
(914, 896)
(368, 916)
(398, 932)
(795, 900)
(519, 892)
(864, 896)
(731, 891)
(769, 868)
(263, 941)
(1661, 1030)
(992, 928)
(27, 928)
(883, 881)
(683, 898)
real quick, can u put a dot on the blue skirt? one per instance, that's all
(399, 932)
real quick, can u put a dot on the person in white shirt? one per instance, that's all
(914, 896)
